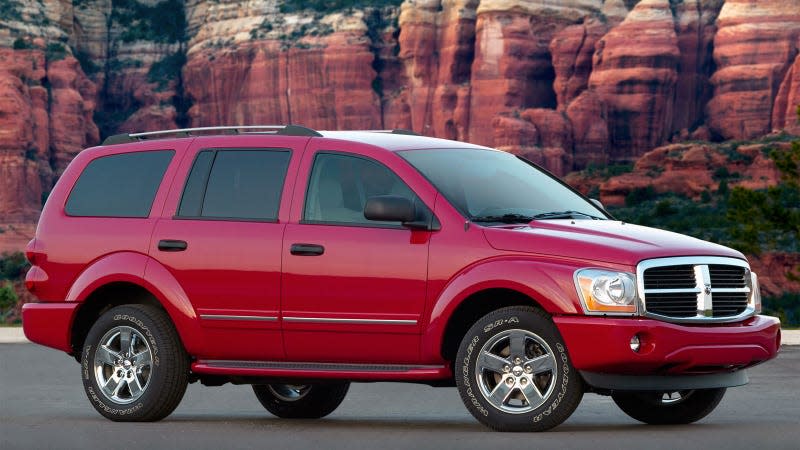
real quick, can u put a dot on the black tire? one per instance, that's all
(147, 390)
(309, 401)
(653, 408)
(552, 388)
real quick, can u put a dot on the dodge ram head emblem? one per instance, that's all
(707, 290)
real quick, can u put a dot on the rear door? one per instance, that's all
(221, 239)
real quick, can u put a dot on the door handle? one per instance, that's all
(307, 249)
(172, 245)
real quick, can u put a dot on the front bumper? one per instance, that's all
(49, 323)
(602, 345)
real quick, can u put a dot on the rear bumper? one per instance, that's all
(602, 345)
(49, 323)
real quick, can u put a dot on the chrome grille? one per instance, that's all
(695, 289)
(669, 277)
(727, 276)
(683, 304)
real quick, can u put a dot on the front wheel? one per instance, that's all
(301, 401)
(514, 374)
(669, 408)
(133, 365)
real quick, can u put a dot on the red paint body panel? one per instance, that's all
(376, 295)
(49, 324)
(599, 344)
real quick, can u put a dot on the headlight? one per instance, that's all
(756, 296)
(606, 291)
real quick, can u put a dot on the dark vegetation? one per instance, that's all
(752, 221)
(164, 22)
(290, 6)
(12, 268)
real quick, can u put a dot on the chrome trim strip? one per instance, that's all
(351, 321)
(693, 290)
(703, 281)
(230, 317)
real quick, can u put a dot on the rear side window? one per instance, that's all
(123, 185)
(235, 184)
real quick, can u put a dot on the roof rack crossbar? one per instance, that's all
(286, 130)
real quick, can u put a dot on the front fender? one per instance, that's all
(148, 273)
(549, 283)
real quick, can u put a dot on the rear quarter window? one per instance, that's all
(122, 185)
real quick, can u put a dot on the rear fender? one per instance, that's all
(131, 267)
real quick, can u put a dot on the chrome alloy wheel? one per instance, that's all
(289, 392)
(123, 364)
(516, 371)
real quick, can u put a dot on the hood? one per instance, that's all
(601, 240)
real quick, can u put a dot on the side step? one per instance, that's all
(362, 372)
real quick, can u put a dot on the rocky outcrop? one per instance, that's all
(691, 169)
(46, 108)
(773, 269)
(756, 43)
(569, 84)
(635, 71)
(299, 68)
(787, 103)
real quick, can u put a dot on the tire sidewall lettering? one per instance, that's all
(91, 383)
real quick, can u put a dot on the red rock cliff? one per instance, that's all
(565, 83)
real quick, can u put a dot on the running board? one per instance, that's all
(283, 369)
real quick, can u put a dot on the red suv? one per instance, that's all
(298, 261)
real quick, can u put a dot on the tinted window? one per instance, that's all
(487, 183)
(340, 186)
(119, 185)
(241, 184)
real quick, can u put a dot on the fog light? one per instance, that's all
(635, 344)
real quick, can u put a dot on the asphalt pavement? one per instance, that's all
(42, 405)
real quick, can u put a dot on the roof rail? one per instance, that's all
(396, 131)
(284, 130)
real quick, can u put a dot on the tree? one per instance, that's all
(769, 218)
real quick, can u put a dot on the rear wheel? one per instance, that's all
(133, 365)
(301, 401)
(514, 374)
(669, 408)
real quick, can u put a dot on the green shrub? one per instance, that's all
(56, 51)
(8, 301)
(785, 307)
(167, 69)
(163, 22)
(13, 265)
(22, 44)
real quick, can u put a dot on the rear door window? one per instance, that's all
(235, 184)
(122, 185)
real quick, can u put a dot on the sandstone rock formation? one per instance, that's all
(690, 169)
(569, 84)
(756, 43)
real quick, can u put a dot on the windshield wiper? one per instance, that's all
(564, 215)
(504, 218)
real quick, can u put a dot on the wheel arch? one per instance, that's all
(491, 285)
(130, 278)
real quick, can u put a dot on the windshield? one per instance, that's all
(494, 186)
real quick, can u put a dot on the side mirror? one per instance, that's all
(389, 208)
(598, 203)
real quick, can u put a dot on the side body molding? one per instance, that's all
(547, 282)
(146, 272)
